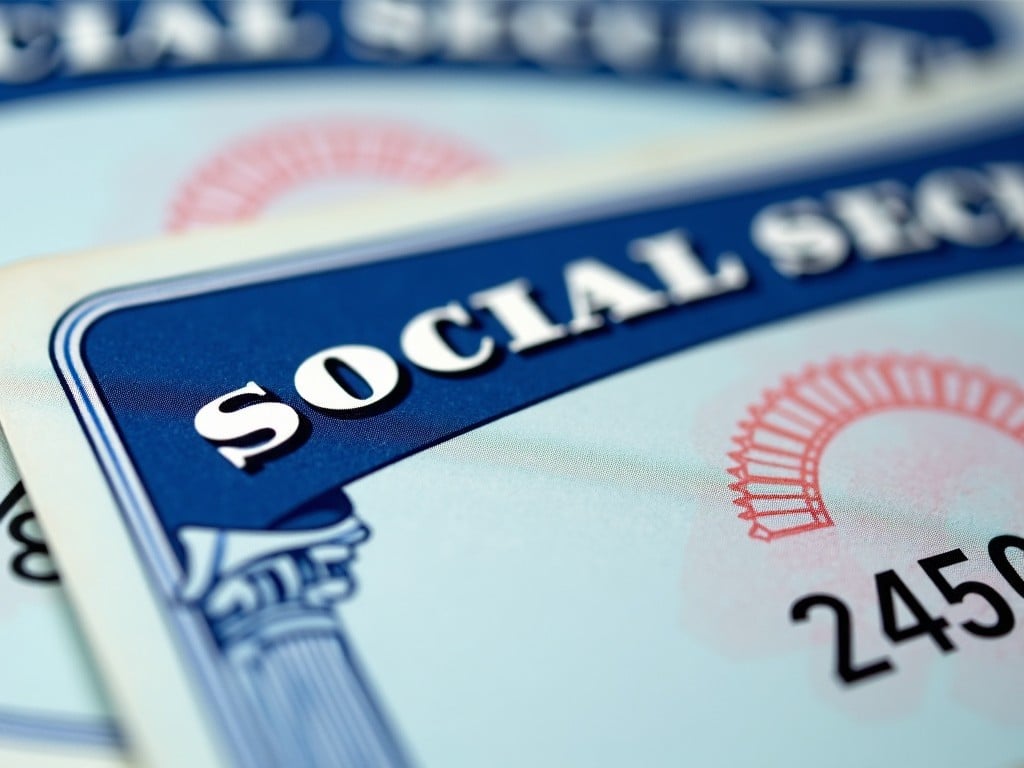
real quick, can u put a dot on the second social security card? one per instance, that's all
(476, 503)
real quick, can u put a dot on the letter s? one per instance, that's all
(799, 239)
(230, 418)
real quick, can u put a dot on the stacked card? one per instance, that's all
(511, 383)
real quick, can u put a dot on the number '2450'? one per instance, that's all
(891, 588)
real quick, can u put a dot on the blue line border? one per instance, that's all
(101, 732)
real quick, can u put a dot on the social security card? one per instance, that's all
(513, 473)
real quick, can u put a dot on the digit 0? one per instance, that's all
(997, 554)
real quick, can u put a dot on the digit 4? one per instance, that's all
(890, 587)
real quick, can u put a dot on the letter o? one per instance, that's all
(321, 389)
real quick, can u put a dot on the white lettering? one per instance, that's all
(389, 28)
(318, 381)
(880, 220)
(184, 31)
(475, 30)
(545, 32)
(671, 257)
(812, 57)
(1008, 190)
(265, 29)
(957, 205)
(235, 416)
(514, 307)
(885, 59)
(27, 43)
(626, 37)
(425, 347)
(734, 46)
(799, 239)
(594, 288)
(91, 42)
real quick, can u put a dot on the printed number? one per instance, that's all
(997, 554)
(32, 562)
(847, 670)
(956, 593)
(890, 586)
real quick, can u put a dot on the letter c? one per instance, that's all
(426, 348)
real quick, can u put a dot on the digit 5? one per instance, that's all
(934, 565)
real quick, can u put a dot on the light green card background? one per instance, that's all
(570, 585)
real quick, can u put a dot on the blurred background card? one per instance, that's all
(133, 119)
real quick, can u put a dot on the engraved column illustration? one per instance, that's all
(271, 599)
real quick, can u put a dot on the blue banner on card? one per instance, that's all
(237, 404)
(779, 48)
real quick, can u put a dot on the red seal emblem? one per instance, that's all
(780, 446)
(241, 181)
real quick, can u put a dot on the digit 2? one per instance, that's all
(847, 670)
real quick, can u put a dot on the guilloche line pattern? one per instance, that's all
(780, 445)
